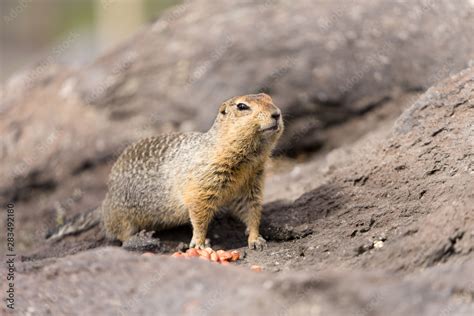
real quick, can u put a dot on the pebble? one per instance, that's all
(378, 244)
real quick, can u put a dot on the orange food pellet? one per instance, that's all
(219, 256)
(203, 253)
(192, 252)
(224, 255)
(235, 255)
(214, 257)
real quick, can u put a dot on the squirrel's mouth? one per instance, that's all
(273, 128)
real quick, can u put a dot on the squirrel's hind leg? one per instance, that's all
(118, 226)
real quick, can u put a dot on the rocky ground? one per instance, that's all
(374, 216)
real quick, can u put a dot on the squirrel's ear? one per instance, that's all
(222, 109)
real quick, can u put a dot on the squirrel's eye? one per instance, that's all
(242, 106)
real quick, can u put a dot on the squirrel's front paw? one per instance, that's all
(201, 245)
(193, 244)
(258, 243)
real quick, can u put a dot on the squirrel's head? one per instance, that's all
(251, 116)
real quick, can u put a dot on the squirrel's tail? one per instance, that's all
(77, 224)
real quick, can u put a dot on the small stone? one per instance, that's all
(378, 244)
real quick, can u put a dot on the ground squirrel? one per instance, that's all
(172, 179)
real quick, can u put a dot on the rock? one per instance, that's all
(126, 283)
(378, 244)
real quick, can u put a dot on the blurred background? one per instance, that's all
(32, 28)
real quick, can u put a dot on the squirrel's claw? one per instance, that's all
(258, 244)
(204, 245)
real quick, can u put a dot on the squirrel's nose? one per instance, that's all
(276, 115)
